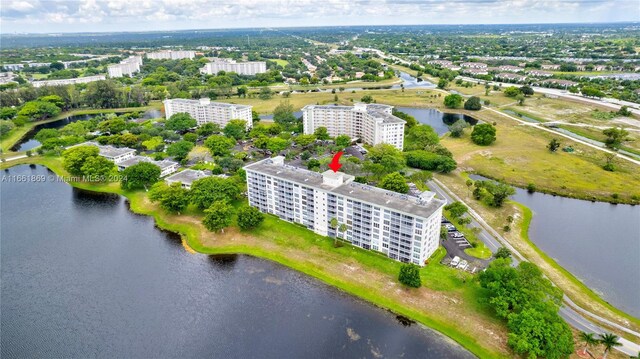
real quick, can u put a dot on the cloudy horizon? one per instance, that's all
(68, 16)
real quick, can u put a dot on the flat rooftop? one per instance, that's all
(211, 103)
(107, 150)
(188, 176)
(412, 205)
(376, 110)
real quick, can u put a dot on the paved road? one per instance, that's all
(569, 311)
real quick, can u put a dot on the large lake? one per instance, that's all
(82, 276)
(597, 242)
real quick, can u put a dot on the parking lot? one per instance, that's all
(455, 244)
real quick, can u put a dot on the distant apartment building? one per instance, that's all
(511, 77)
(13, 67)
(171, 55)
(405, 228)
(62, 82)
(473, 65)
(228, 65)
(126, 67)
(475, 71)
(539, 73)
(510, 68)
(371, 123)
(205, 111)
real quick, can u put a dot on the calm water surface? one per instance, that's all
(597, 242)
(440, 121)
(81, 276)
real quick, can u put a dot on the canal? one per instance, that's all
(82, 276)
(597, 242)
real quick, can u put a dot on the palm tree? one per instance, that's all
(333, 223)
(588, 339)
(609, 341)
(342, 228)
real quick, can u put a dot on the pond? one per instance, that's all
(29, 143)
(82, 276)
(440, 121)
(597, 242)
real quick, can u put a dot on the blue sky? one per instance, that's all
(146, 15)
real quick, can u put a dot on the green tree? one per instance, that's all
(219, 145)
(520, 98)
(283, 115)
(473, 103)
(410, 275)
(615, 137)
(249, 217)
(394, 182)
(180, 150)
(236, 129)
(98, 168)
(590, 91)
(526, 90)
(553, 145)
(277, 144)
(7, 113)
(420, 137)
(172, 198)
(38, 110)
(457, 129)
(242, 91)
(205, 191)
(112, 126)
(512, 91)
(313, 163)
(588, 340)
(387, 156)
(609, 341)
(180, 122)
(503, 253)
(265, 93)
(366, 99)
(304, 140)
(321, 133)
(153, 143)
(102, 94)
(74, 158)
(208, 129)
(191, 137)
(139, 176)
(430, 161)
(6, 127)
(456, 209)
(46, 133)
(452, 101)
(343, 141)
(218, 216)
(483, 134)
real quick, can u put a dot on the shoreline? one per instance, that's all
(189, 235)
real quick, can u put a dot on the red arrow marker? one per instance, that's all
(335, 163)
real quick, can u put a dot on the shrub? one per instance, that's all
(483, 134)
(410, 275)
(430, 161)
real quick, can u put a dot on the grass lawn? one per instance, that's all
(448, 301)
(281, 62)
(519, 157)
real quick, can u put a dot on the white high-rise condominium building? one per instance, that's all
(371, 123)
(171, 55)
(242, 68)
(403, 227)
(127, 67)
(205, 111)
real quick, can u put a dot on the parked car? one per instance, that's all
(457, 235)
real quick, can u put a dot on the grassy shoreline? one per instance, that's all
(373, 294)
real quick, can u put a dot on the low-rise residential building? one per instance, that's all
(126, 67)
(510, 68)
(371, 123)
(171, 55)
(403, 227)
(62, 82)
(6, 77)
(539, 73)
(510, 77)
(558, 82)
(474, 65)
(228, 65)
(441, 63)
(205, 111)
(550, 67)
(475, 71)
(114, 154)
(167, 167)
(187, 177)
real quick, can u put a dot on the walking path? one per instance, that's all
(569, 310)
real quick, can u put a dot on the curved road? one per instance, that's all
(569, 311)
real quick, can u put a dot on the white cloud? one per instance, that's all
(120, 15)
